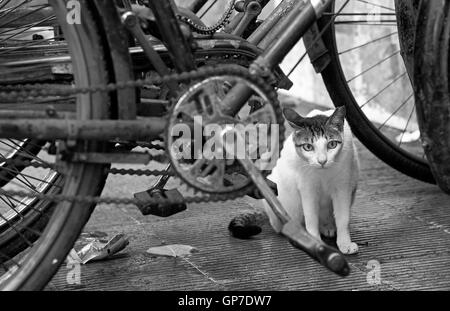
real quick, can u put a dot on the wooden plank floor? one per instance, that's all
(400, 223)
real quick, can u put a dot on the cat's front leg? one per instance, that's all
(310, 206)
(342, 201)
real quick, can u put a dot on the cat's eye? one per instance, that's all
(333, 144)
(308, 147)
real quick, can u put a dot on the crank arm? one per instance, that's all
(296, 234)
(326, 255)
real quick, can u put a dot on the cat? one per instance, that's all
(316, 176)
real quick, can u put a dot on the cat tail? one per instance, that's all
(247, 224)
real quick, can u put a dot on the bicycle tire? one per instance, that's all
(431, 79)
(341, 95)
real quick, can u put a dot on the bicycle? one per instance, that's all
(95, 100)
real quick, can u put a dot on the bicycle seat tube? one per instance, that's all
(177, 45)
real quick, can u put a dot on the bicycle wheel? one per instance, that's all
(17, 218)
(21, 218)
(432, 86)
(33, 267)
(367, 74)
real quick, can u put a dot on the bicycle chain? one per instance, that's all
(24, 91)
(212, 29)
(15, 92)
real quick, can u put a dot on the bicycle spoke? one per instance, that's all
(374, 66)
(24, 180)
(30, 177)
(4, 3)
(23, 153)
(23, 16)
(13, 227)
(384, 89)
(11, 205)
(377, 5)
(15, 182)
(8, 201)
(367, 43)
(11, 9)
(29, 44)
(28, 27)
(319, 36)
(18, 146)
(17, 178)
(406, 127)
(7, 198)
(397, 110)
(359, 14)
(389, 23)
(14, 176)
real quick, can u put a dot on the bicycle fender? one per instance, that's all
(316, 49)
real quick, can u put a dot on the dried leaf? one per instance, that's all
(175, 250)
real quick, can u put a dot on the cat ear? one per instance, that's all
(337, 119)
(294, 119)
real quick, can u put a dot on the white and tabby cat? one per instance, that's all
(316, 176)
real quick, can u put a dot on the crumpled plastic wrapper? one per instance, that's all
(175, 250)
(96, 246)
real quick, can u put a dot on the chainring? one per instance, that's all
(198, 158)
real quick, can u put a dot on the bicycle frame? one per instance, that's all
(291, 20)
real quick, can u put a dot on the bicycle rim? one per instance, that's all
(34, 267)
(380, 105)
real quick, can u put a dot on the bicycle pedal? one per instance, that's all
(256, 194)
(147, 206)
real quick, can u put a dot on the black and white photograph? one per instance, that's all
(225, 152)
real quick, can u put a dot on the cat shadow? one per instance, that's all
(331, 241)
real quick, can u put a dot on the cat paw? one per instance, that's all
(348, 248)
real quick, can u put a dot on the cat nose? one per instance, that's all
(323, 162)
